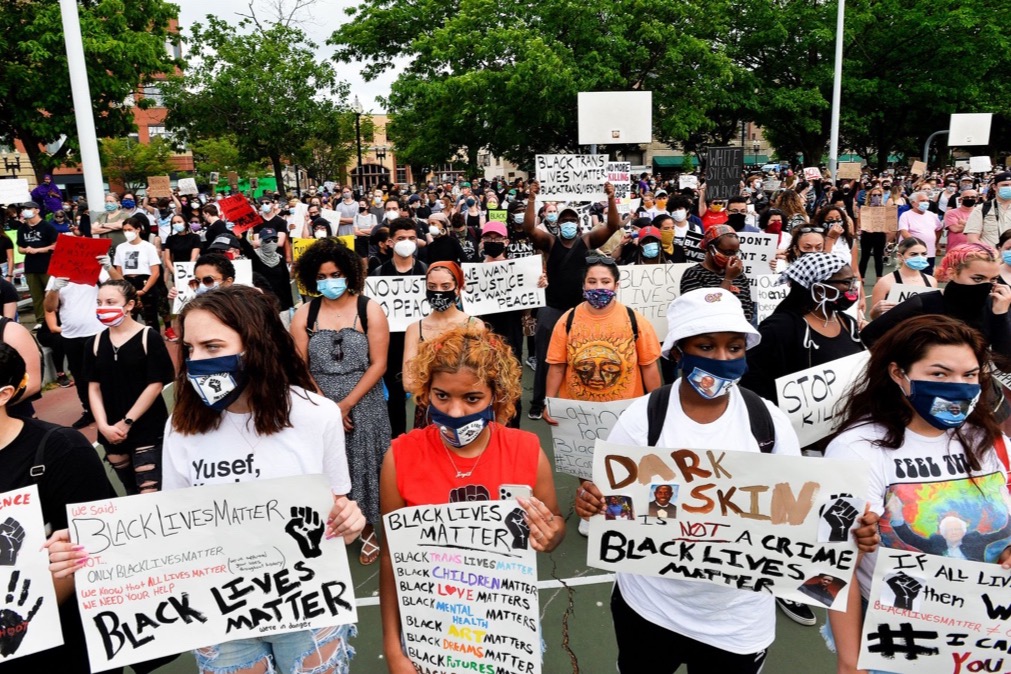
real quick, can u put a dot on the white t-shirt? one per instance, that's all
(78, 302)
(931, 478)
(737, 621)
(234, 452)
(136, 259)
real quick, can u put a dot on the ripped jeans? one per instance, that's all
(138, 465)
(323, 651)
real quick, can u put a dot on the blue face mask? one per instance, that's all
(218, 381)
(1006, 256)
(923, 206)
(712, 378)
(551, 217)
(332, 288)
(178, 227)
(569, 230)
(461, 431)
(129, 203)
(651, 249)
(918, 263)
(942, 404)
(109, 208)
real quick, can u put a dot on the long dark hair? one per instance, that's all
(876, 398)
(269, 360)
(820, 217)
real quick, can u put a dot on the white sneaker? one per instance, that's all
(584, 527)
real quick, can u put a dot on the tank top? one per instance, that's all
(923, 277)
(565, 275)
(427, 475)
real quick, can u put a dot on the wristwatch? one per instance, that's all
(128, 421)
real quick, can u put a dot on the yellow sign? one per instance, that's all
(299, 246)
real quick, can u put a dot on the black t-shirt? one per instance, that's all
(218, 228)
(565, 274)
(5, 245)
(180, 246)
(277, 223)
(8, 293)
(389, 268)
(39, 236)
(446, 249)
(520, 245)
(376, 261)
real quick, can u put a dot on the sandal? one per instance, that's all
(370, 549)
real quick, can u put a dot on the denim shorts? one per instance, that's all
(826, 633)
(283, 653)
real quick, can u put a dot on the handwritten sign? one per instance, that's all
(879, 218)
(849, 170)
(758, 251)
(188, 186)
(31, 616)
(619, 174)
(494, 287)
(770, 185)
(467, 594)
(580, 425)
(809, 397)
(498, 216)
(900, 292)
(159, 186)
(812, 173)
(751, 521)
(571, 177)
(187, 284)
(934, 614)
(649, 289)
(233, 180)
(688, 182)
(14, 191)
(723, 172)
(980, 164)
(75, 258)
(237, 209)
(767, 295)
(401, 297)
(918, 168)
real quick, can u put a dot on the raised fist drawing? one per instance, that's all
(906, 588)
(840, 515)
(13, 627)
(12, 536)
(306, 527)
(472, 492)
(516, 522)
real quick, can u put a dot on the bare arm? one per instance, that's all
(379, 345)
(18, 336)
(542, 240)
(651, 378)
(410, 351)
(301, 337)
(846, 628)
(389, 501)
(598, 236)
(11, 310)
(556, 375)
(145, 400)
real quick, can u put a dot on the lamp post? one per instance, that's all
(755, 147)
(12, 167)
(356, 107)
(381, 157)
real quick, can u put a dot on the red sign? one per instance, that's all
(237, 209)
(76, 258)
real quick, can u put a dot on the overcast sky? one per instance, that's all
(325, 17)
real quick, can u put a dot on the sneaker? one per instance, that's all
(63, 380)
(535, 413)
(584, 527)
(85, 421)
(798, 613)
(531, 362)
(171, 335)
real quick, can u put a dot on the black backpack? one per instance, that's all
(317, 302)
(761, 420)
(631, 318)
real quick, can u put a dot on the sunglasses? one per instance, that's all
(833, 222)
(601, 259)
(850, 283)
(338, 349)
(810, 230)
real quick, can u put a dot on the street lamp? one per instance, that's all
(356, 108)
(755, 147)
(12, 167)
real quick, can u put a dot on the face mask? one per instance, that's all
(434, 231)
(838, 301)
(667, 238)
(130, 236)
(1006, 256)
(268, 248)
(195, 226)
(942, 404)
(518, 218)
(551, 218)
(201, 289)
(716, 208)
(876, 199)
(967, 202)
(651, 249)
(392, 215)
(719, 259)
(218, 381)
(568, 230)
(967, 297)
(494, 248)
(679, 215)
(441, 300)
(265, 208)
(110, 316)
(737, 220)
(129, 204)
(320, 234)
(922, 206)
(661, 204)
(712, 378)
(177, 227)
(492, 205)
(598, 298)
(405, 248)
(917, 263)
(346, 196)
(28, 213)
(332, 288)
(460, 431)
(756, 185)
(774, 227)
(470, 203)
(229, 226)
(1004, 193)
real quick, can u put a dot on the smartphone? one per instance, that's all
(508, 492)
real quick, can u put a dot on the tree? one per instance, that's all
(124, 46)
(127, 161)
(265, 88)
(330, 144)
(221, 154)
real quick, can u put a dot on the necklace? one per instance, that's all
(459, 473)
(825, 321)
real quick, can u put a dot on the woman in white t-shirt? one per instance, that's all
(140, 264)
(922, 419)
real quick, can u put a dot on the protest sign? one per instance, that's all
(812, 173)
(1003, 377)
(980, 164)
(214, 178)
(628, 205)
(402, 299)
(30, 616)
(188, 186)
(331, 216)
(900, 292)
(809, 396)
(174, 571)
(849, 170)
(233, 180)
(494, 287)
(723, 172)
(935, 614)
(619, 174)
(498, 216)
(918, 168)
(649, 289)
(879, 218)
(14, 191)
(466, 586)
(757, 253)
(299, 246)
(238, 210)
(692, 243)
(243, 272)
(76, 258)
(747, 520)
(688, 181)
(767, 295)
(580, 425)
(770, 185)
(159, 186)
(185, 284)
(571, 177)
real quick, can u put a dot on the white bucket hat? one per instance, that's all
(706, 310)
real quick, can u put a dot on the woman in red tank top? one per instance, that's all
(470, 381)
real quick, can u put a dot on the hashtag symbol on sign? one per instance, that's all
(901, 640)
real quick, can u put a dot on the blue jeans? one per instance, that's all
(328, 648)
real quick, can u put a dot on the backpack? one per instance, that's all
(762, 427)
(631, 318)
(317, 302)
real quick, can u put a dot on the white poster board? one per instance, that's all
(969, 129)
(184, 569)
(812, 173)
(509, 285)
(467, 587)
(571, 177)
(188, 186)
(767, 295)
(900, 292)
(725, 507)
(580, 425)
(649, 289)
(758, 251)
(810, 397)
(29, 612)
(186, 284)
(14, 191)
(615, 117)
(619, 174)
(688, 181)
(980, 164)
(402, 299)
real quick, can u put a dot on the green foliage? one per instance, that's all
(330, 144)
(124, 46)
(221, 154)
(129, 162)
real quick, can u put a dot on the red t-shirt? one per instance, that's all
(426, 476)
(712, 218)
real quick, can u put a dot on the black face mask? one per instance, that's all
(440, 300)
(966, 301)
(967, 202)
(736, 220)
(494, 248)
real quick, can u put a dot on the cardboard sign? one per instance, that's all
(770, 185)
(810, 397)
(628, 205)
(649, 289)
(812, 173)
(76, 258)
(233, 180)
(184, 569)
(619, 174)
(159, 186)
(688, 181)
(731, 518)
(31, 616)
(499, 216)
(980, 165)
(723, 172)
(188, 186)
(758, 251)
(467, 587)
(571, 177)
(934, 614)
(580, 425)
(14, 191)
(900, 292)
(401, 297)
(918, 168)
(237, 209)
(849, 170)
(494, 287)
(767, 295)
(879, 218)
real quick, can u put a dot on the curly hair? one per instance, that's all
(790, 202)
(330, 250)
(961, 256)
(476, 349)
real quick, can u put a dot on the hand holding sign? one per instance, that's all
(76, 258)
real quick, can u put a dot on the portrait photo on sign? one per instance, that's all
(838, 518)
(662, 500)
(619, 507)
(903, 591)
(824, 587)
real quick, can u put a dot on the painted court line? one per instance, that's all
(541, 585)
